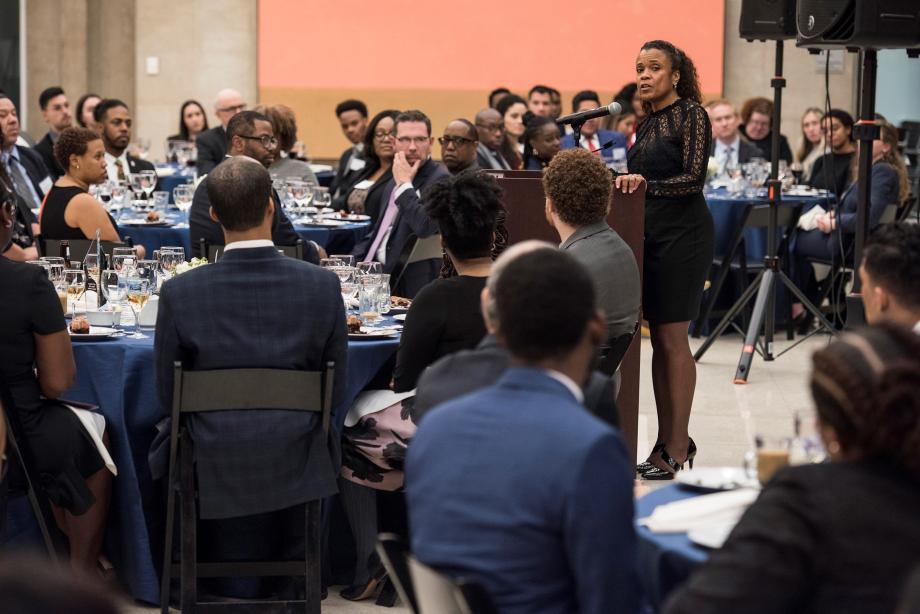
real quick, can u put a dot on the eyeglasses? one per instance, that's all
(268, 142)
(456, 141)
(418, 140)
(382, 134)
(235, 108)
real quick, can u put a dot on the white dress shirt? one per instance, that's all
(250, 244)
(567, 381)
(727, 155)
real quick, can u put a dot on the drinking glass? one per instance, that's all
(321, 198)
(75, 282)
(148, 182)
(349, 291)
(302, 195)
(136, 181)
(347, 259)
(370, 268)
(142, 148)
(182, 195)
(368, 301)
(332, 261)
(167, 260)
(45, 265)
(147, 269)
(115, 291)
(160, 200)
(138, 293)
(384, 293)
(123, 259)
(118, 191)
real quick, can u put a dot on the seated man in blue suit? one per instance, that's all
(517, 486)
(254, 308)
(404, 216)
(592, 137)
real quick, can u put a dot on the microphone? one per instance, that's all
(581, 117)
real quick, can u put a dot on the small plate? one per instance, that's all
(96, 333)
(399, 317)
(144, 222)
(714, 479)
(373, 333)
(324, 222)
(712, 537)
(353, 217)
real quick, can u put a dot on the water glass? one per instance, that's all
(114, 290)
(384, 293)
(368, 303)
(347, 259)
(182, 195)
(123, 259)
(370, 268)
(160, 200)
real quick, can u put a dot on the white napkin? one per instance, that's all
(94, 424)
(706, 510)
(371, 401)
(148, 315)
(809, 219)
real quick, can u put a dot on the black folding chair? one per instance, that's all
(79, 247)
(438, 594)
(21, 470)
(214, 252)
(238, 389)
(393, 553)
(416, 250)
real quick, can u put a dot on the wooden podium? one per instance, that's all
(526, 219)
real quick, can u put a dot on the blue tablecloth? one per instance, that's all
(118, 376)
(666, 560)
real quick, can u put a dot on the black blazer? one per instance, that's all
(343, 174)
(35, 167)
(410, 221)
(136, 165)
(746, 151)
(254, 308)
(469, 370)
(201, 226)
(45, 147)
(212, 148)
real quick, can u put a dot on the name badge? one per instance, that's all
(356, 164)
(46, 184)
(364, 185)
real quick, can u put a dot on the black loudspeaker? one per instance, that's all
(767, 19)
(877, 24)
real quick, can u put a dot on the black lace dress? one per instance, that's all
(672, 152)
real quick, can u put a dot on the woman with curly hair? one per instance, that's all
(841, 536)
(670, 156)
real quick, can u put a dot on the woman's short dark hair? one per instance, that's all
(627, 93)
(866, 386)
(688, 86)
(183, 129)
(466, 208)
(578, 183)
(369, 154)
(73, 142)
(82, 103)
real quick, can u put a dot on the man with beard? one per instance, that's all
(114, 120)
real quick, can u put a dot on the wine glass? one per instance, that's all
(347, 259)
(142, 148)
(370, 268)
(331, 262)
(75, 282)
(148, 182)
(183, 194)
(321, 199)
(123, 259)
(167, 260)
(114, 291)
(118, 191)
(138, 293)
(136, 181)
(301, 194)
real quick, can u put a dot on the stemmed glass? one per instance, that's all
(302, 195)
(370, 268)
(114, 290)
(138, 292)
(118, 191)
(183, 194)
(75, 282)
(167, 259)
(331, 262)
(148, 182)
(123, 259)
(346, 259)
(321, 199)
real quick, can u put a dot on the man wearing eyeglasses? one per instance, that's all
(404, 218)
(458, 146)
(212, 143)
(491, 129)
(250, 135)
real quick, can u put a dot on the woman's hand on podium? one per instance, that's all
(628, 184)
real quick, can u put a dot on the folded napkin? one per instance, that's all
(372, 401)
(94, 423)
(809, 219)
(706, 510)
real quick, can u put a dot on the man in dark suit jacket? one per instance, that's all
(491, 129)
(212, 144)
(115, 122)
(247, 131)
(56, 113)
(729, 148)
(516, 486)
(352, 116)
(24, 165)
(608, 143)
(254, 308)
(404, 216)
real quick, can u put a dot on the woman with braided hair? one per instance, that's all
(842, 536)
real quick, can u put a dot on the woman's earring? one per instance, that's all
(78, 167)
(833, 447)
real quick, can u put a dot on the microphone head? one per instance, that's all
(614, 108)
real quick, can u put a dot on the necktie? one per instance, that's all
(387, 221)
(119, 169)
(21, 183)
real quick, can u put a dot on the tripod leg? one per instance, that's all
(807, 304)
(728, 317)
(753, 332)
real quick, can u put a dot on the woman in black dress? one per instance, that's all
(832, 170)
(37, 367)
(670, 155)
(840, 536)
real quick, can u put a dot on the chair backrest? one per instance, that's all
(909, 205)
(760, 216)
(225, 389)
(416, 250)
(438, 594)
(612, 355)
(214, 252)
(890, 214)
(78, 248)
(394, 555)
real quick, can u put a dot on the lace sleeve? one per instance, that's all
(696, 137)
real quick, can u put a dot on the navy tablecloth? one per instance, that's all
(118, 376)
(666, 560)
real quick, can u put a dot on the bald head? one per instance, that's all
(491, 128)
(229, 102)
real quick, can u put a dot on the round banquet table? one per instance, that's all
(171, 175)
(118, 375)
(665, 560)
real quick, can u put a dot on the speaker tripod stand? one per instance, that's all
(764, 285)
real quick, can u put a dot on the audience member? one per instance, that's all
(466, 371)
(250, 134)
(352, 116)
(286, 164)
(25, 175)
(798, 548)
(555, 99)
(37, 368)
(404, 215)
(512, 109)
(192, 122)
(85, 107)
(757, 115)
(540, 101)
(114, 124)
(496, 95)
(831, 171)
(629, 94)
(541, 142)
(22, 245)
(890, 274)
(728, 148)
(56, 113)
(624, 122)
(540, 532)
(491, 129)
(213, 144)
(459, 145)
(593, 138)
(812, 144)
(70, 212)
(577, 186)
(255, 468)
(363, 191)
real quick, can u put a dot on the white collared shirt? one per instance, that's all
(591, 143)
(722, 150)
(250, 244)
(917, 328)
(111, 165)
(567, 381)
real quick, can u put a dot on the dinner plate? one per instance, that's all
(143, 222)
(96, 333)
(324, 222)
(399, 317)
(713, 479)
(712, 536)
(353, 217)
(372, 333)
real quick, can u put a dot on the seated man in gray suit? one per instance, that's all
(254, 308)
(577, 187)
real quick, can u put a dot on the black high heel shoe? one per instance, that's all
(656, 473)
(360, 592)
(645, 466)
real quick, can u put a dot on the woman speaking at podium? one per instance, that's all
(671, 155)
